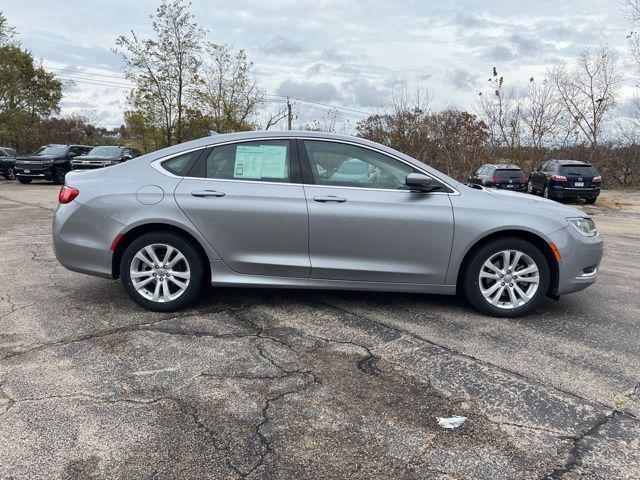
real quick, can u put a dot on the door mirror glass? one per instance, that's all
(419, 181)
(127, 156)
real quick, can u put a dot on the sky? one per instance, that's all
(351, 54)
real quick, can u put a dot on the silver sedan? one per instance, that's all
(272, 209)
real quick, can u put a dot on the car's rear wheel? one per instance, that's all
(162, 271)
(25, 180)
(10, 173)
(591, 201)
(530, 188)
(58, 175)
(506, 278)
(546, 193)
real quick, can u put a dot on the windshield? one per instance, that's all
(583, 170)
(109, 152)
(509, 174)
(52, 150)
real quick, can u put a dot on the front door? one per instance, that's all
(248, 205)
(365, 225)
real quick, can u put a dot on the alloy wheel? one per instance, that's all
(160, 272)
(509, 279)
(11, 174)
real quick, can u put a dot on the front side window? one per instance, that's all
(344, 165)
(267, 161)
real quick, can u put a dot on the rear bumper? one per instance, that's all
(82, 239)
(581, 256)
(569, 192)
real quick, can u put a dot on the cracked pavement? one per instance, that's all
(305, 384)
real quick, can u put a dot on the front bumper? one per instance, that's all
(35, 170)
(580, 258)
(82, 239)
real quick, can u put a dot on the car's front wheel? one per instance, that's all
(506, 278)
(530, 188)
(58, 175)
(10, 173)
(162, 271)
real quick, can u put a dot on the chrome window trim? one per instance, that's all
(156, 164)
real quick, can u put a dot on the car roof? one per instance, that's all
(504, 166)
(571, 162)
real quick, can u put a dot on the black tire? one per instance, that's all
(591, 201)
(530, 188)
(184, 246)
(25, 180)
(547, 193)
(471, 281)
(59, 174)
(10, 173)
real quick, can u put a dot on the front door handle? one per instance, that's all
(329, 198)
(207, 193)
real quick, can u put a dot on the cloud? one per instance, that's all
(365, 93)
(462, 79)
(281, 45)
(315, 92)
(500, 53)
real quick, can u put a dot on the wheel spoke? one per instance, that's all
(492, 276)
(489, 264)
(534, 279)
(514, 262)
(496, 298)
(506, 255)
(512, 297)
(179, 257)
(142, 283)
(142, 257)
(185, 275)
(180, 284)
(140, 274)
(526, 270)
(166, 296)
(489, 291)
(156, 292)
(522, 293)
(152, 255)
(167, 255)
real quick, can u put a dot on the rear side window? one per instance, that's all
(510, 174)
(181, 164)
(584, 170)
(267, 161)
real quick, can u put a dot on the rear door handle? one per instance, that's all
(207, 193)
(329, 198)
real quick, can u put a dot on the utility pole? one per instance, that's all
(289, 116)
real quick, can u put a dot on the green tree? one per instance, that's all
(28, 95)
(164, 68)
(228, 92)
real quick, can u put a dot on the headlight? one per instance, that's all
(107, 163)
(585, 226)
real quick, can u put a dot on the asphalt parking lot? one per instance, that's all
(304, 384)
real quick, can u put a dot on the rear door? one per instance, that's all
(246, 198)
(371, 227)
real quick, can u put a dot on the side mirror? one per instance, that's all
(127, 157)
(421, 182)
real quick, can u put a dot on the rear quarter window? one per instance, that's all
(181, 164)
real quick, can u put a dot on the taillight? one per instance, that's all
(67, 194)
(597, 179)
(495, 181)
(559, 178)
(524, 181)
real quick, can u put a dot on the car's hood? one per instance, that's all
(36, 158)
(94, 158)
(516, 200)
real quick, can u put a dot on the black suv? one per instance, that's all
(48, 163)
(566, 179)
(8, 163)
(104, 156)
(509, 177)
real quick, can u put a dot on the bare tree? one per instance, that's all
(542, 113)
(164, 68)
(7, 32)
(587, 89)
(228, 92)
(500, 109)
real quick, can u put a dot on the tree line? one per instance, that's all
(186, 88)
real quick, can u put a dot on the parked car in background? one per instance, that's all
(8, 163)
(104, 156)
(253, 209)
(558, 179)
(508, 177)
(51, 162)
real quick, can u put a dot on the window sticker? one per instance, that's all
(258, 162)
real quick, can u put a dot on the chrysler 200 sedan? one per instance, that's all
(271, 209)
